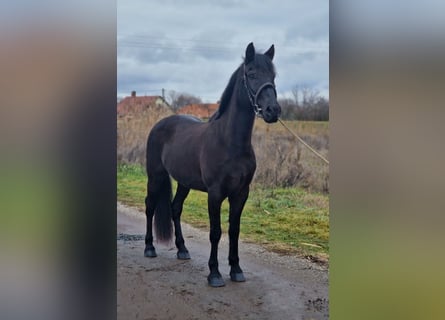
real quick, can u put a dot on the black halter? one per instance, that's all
(253, 96)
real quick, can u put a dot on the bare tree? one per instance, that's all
(179, 100)
(310, 96)
(288, 108)
(296, 93)
(307, 104)
(172, 96)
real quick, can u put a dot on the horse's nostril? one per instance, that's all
(271, 109)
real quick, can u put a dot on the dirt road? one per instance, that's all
(277, 287)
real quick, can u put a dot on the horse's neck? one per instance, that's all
(239, 119)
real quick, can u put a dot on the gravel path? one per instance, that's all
(277, 286)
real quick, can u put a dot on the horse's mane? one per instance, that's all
(262, 62)
(227, 94)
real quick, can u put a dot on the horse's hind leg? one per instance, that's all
(150, 204)
(181, 193)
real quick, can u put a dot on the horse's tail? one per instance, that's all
(163, 209)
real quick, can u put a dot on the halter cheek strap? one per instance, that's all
(253, 96)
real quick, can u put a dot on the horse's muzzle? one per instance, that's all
(271, 113)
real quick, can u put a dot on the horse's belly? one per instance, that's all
(189, 181)
(197, 186)
(185, 172)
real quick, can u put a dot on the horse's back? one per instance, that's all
(169, 128)
(171, 122)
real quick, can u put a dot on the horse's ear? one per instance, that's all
(270, 53)
(250, 53)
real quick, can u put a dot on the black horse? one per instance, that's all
(215, 157)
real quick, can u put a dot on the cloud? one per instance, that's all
(194, 46)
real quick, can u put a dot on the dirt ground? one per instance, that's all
(277, 287)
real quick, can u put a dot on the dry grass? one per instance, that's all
(281, 160)
(132, 133)
(284, 162)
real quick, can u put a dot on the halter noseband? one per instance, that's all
(253, 96)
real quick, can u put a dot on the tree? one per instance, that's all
(179, 100)
(296, 93)
(172, 96)
(288, 108)
(307, 104)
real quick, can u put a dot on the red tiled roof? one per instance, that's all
(200, 110)
(135, 104)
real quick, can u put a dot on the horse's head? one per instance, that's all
(258, 78)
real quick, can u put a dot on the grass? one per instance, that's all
(288, 221)
(290, 164)
(302, 127)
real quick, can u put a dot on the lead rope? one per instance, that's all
(304, 143)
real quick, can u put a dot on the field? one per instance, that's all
(284, 220)
(284, 162)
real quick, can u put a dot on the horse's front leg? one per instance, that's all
(237, 202)
(214, 203)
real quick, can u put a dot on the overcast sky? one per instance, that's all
(194, 46)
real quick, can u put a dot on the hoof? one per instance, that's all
(237, 277)
(183, 255)
(216, 281)
(150, 253)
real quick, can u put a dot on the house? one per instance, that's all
(200, 110)
(136, 104)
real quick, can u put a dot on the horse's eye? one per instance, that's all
(252, 75)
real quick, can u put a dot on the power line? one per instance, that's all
(204, 48)
(202, 44)
(227, 45)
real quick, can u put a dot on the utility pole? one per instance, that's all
(163, 93)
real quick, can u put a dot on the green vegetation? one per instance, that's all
(287, 220)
